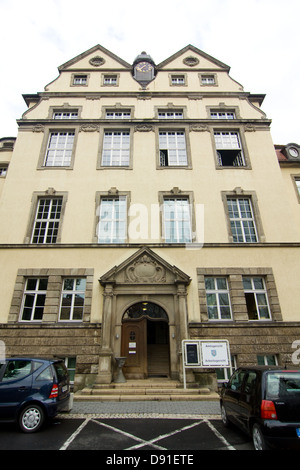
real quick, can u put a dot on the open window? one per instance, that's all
(229, 149)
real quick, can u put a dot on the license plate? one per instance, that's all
(64, 388)
(298, 432)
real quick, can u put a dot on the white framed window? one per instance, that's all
(110, 80)
(217, 298)
(80, 80)
(112, 227)
(267, 360)
(222, 115)
(224, 373)
(72, 299)
(34, 297)
(170, 114)
(256, 298)
(59, 149)
(242, 223)
(126, 114)
(208, 80)
(177, 220)
(229, 149)
(172, 148)
(47, 219)
(65, 114)
(3, 170)
(178, 80)
(116, 148)
(70, 363)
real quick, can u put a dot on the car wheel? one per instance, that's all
(224, 416)
(31, 418)
(258, 439)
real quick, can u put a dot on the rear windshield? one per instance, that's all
(283, 384)
(61, 370)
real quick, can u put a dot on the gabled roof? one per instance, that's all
(91, 51)
(197, 51)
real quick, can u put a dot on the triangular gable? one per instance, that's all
(82, 61)
(178, 60)
(145, 267)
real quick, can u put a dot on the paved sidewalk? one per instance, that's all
(147, 408)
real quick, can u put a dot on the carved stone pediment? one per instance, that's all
(145, 270)
(145, 267)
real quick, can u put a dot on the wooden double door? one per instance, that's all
(145, 344)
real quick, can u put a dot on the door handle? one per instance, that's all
(21, 389)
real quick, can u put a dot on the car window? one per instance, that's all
(236, 380)
(61, 370)
(250, 382)
(46, 374)
(16, 369)
(283, 384)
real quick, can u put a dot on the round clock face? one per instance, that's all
(293, 152)
(144, 67)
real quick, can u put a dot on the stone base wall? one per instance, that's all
(248, 340)
(82, 342)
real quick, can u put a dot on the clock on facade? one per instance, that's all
(143, 69)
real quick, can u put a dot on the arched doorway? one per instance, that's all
(145, 341)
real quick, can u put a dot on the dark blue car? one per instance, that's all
(32, 390)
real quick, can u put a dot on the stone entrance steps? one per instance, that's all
(145, 390)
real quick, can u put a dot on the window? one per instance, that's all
(17, 370)
(47, 220)
(59, 149)
(242, 222)
(80, 80)
(229, 149)
(70, 363)
(256, 298)
(223, 374)
(217, 298)
(170, 114)
(116, 148)
(222, 115)
(72, 299)
(3, 170)
(112, 226)
(126, 114)
(178, 80)
(267, 360)
(34, 299)
(177, 220)
(208, 80)
(65, 114)
(110, 80)
(172, 148)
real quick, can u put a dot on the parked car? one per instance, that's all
(32, 390)
(265, 403)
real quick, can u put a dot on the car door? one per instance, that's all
(15, 386)
(247, 399)
(232, 394)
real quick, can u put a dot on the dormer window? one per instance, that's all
(222, 115)
(80, 80)
(178, 80)
(65, 114)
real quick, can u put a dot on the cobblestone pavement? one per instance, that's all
(165, 409)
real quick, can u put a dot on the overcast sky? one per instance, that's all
(258, 39)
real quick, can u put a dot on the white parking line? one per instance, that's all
(143, 442)
(219, 435)
(72, 437)
(164, 436)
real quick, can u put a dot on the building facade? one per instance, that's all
(145, 204)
